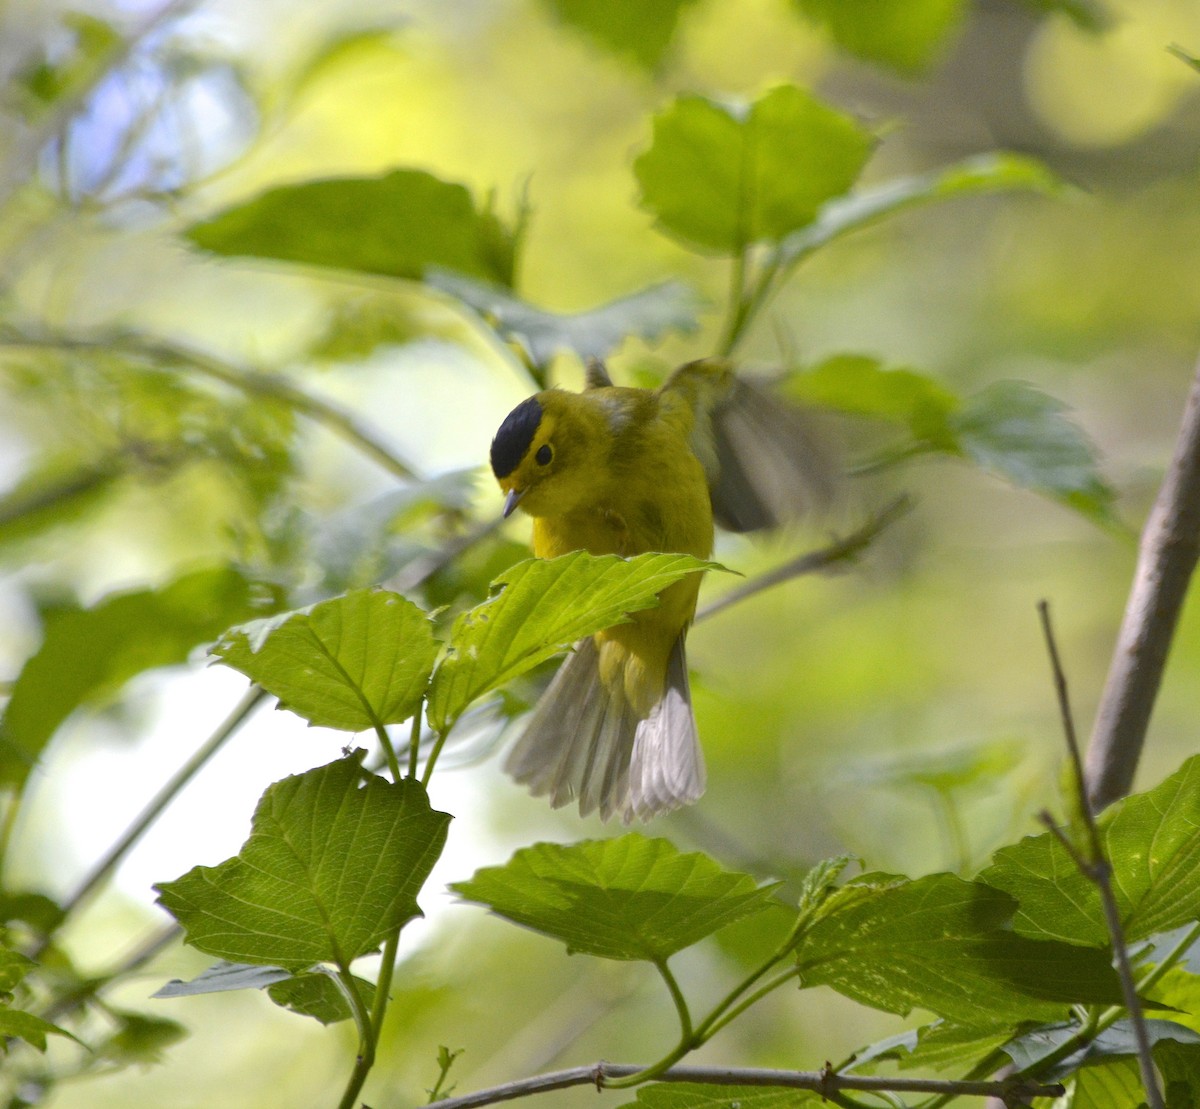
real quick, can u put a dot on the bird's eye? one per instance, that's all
(544, 454)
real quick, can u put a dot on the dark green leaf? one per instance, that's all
(87, 654)
(1022, 434)
(940, 943)
(139, 1038)
(224, 976)
(1179, 1065)
(722, 177)
(695, 1095)
(1150, 840)
(35, 909)
(905, 35)
(596, 333)
(624, 898)
(945, 1045)
(540, 607)
(355, 662)
(981, 173)
(399, 224)
(330, 868)
(317, 995)
(25, 1026)
(13, 968)
(1118, 1040)
(635, 29)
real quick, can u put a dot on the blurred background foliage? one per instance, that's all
(165, 411)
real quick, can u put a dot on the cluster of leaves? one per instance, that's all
(760, 186)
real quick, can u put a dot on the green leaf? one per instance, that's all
(330, 869)
(35, 909)
(1149, 838)
(905, 35)
(13, 968)
(634, 29)
(139, 1038)
(540, 607)
(1179, 1065)
(722, 177)
(224, 976)
(596, 333)
(1022, 434)
(941, 943)
(624, 898)
(1113, 1085)
(940, 1046)
(981, 173)
(696, 1095)
(400, 225)
(317, 995)
(87, 654)
(1030, 1048)
(355, 662)
(860, 386)
(33, 1030)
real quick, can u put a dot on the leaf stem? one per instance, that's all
(414, 740)
(366, 1035)
(438, 744)
(389, 751)
(681, 1005)
(718, 1021)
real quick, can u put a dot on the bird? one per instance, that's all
(625, 471)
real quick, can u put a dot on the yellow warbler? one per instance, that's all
(625, 471)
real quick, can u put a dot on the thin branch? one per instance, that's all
(113, 857)
(1167, 557)
(1096, 868)
(826, 1082)
(812, 561)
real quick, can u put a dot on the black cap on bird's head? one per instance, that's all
(516, 434)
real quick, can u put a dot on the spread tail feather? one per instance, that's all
(586, 740)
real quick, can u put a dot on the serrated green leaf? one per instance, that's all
(595, 333)
(354, 662)
(330, 868)
(723, 177)
(1023, 435)
(224, 976)
(981, 173)
(1030, 1048)
(631, 28)
(624, 898)
(1150, 840)
(87, 654)
(905, 35)
(942, 1045)
(542, 606)
(696, 1095)
(33, 1030)
(317, 995)
(940, 943)
(399, 224)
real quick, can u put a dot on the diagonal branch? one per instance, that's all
(1166, 559)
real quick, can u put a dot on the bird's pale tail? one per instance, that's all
(586, 741)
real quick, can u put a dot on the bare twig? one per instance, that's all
(813, 561)
(826, 1082)
(1166, 559)
(1093, 864)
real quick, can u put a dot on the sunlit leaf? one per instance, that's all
(400, 224)
(721, 176)
(905, 35)
(634, 29)
(540, 607)
(940, 943)
(1149, 839)
(981, 173)
(332, 866)
(696, 1095)
(87, 654)
(624, 898)
(1024, 435)
(355, 662)
(594, 333)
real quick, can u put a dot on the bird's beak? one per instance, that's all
(512, 500)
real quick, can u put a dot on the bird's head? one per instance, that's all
(545, 454)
